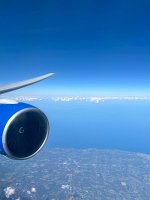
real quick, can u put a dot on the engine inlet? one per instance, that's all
(25, 133)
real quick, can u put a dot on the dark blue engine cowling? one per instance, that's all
(23, 130)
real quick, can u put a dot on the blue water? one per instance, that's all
(119, 124)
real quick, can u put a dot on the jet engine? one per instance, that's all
(23, 129)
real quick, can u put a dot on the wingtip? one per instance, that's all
(50, 74)
(47, 75)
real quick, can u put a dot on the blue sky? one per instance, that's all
(94, 47)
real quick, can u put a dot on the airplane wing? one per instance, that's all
(20, 84)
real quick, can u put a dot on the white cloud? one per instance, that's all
(95, 99)
(33, 189)
(123, 183)
(81, 99)
(92, 99)
(65, 186)
(28, 192)
(9, 191)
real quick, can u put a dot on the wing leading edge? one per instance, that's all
(21, 84)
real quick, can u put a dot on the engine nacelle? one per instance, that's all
(23, 130)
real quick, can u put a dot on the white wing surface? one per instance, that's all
(20, 84)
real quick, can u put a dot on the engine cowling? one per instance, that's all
(23, 130)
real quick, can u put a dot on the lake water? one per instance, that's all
(112, 124)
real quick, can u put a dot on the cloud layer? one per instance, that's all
(92, 99)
